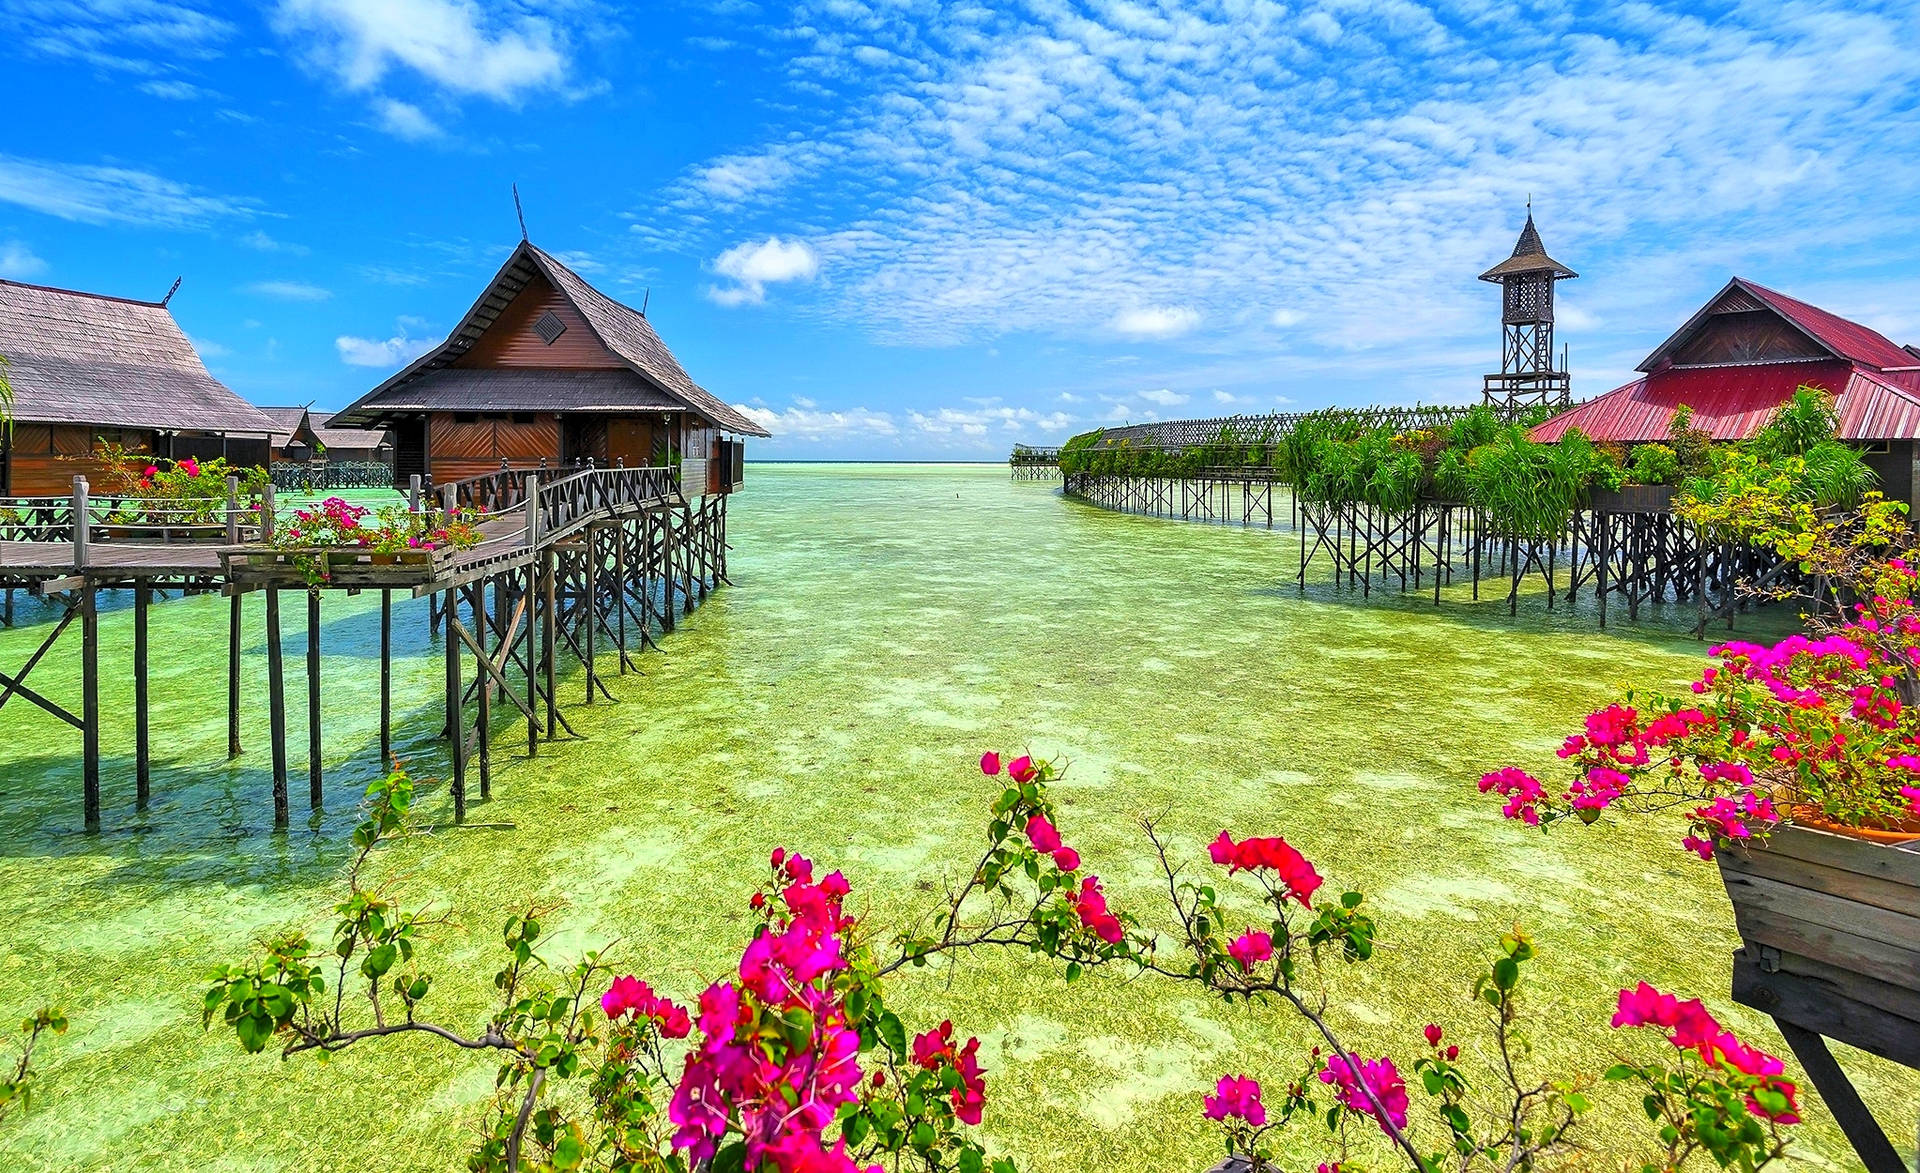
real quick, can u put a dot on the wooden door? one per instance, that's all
(630, 441)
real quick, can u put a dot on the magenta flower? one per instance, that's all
(1250, 949)
(1381, 1077)
(1022, 770)
(1066, 859)
(989, 763)
(1041, 833)
(1434, 1034)
(1236, 1097)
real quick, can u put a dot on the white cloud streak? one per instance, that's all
(751, 267)
(457, 45)
(111, 195)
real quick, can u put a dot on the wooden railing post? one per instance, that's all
(413, 493)
(81, 528)
(233, 511)
(533, 512)
(266, 513)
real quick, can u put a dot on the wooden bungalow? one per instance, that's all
(88, 370)
(547, 370)
(304, 435)
(1742, 356)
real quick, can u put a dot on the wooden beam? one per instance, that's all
(314, 766)
(233, 675)
(386, 678)
(142, 748)
(277, 707)
(456, 722)
(90, 705)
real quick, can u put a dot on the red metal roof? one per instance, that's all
(1734, 402)
(1849, 340)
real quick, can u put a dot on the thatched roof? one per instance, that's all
(320, 423)
(621, 329)
(1529, 256)
(84, 358)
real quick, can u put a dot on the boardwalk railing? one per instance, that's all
(129, 519)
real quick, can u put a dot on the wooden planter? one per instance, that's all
(1634, 499)
(1831, 929)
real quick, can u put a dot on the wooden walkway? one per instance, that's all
(596, 562)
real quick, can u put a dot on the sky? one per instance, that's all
(915, 229)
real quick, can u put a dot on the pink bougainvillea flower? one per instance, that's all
(1066, 859)
(1521, 790)
(935, 1049)
(1433, 1033)
(1250, 949)
(1689, 1024)
(990, 763)
(1700, 847)
(1091, 907)
(1347, 1073)
(1611, 726)
(1912, 795)
(1022, 770)
(1272, 854)
(1041, 833)
(1236, 1097)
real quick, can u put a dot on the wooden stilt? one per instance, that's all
(477, 604)
(386, 679)
(549, 566)
(233, 675)
(142, 747)
(90, 704)
(533, 657)
(590, 600)
(277, 707)
(456, 723)
(314, 788)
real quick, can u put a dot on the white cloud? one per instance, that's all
(811, 425)
(140, 37)
(384, 352)
(1285, 317)
(1165, 397)
(1229, 399)
(1156, 321)
(289, 291)
(207, 348)
(173, 91)
(103, 195)
(18, 262)
(405, 121)
(261, 242)
(734, 177)
(752, 267)
(459, 45)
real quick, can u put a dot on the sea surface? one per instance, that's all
(886, 624)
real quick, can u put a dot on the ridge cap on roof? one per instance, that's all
(155, 305)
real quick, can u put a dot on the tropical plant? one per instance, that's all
(1654, 464)
(16, 1085)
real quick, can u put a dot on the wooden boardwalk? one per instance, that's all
(598, 561)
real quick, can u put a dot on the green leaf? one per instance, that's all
(1506, 973)
(893, 1033)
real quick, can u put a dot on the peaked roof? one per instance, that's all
(85, 358)
(623, 330)
(1875, 384)
(1529, 256)
(288, 420)
(1838, 336)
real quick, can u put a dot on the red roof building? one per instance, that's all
(1743, 356)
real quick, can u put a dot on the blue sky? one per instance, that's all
(901, 228)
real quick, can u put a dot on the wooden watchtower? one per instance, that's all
(1528, 374)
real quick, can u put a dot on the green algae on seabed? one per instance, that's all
(888, 623)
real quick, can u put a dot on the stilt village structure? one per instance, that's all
(595, 469)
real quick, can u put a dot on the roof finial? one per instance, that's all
(175, 288)
(519, 212)
(1529, 205)
(646, 299)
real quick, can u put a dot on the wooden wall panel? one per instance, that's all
(511, 341)
(530, 442)
(630, 441)
(52, 476)
(1746, 337)
(460, 439)
(446, 471)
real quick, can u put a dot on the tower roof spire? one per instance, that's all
(1529, 256)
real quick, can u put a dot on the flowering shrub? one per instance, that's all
(339, 524)
(16, 1086)
(156, 491)
(793, 1064)
(1712, 1093)
(1819, 726)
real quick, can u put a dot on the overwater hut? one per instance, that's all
(547, 370)
(305, 435)
(89, 371)
(1742, 356)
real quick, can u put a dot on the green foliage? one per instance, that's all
(1808, 419)
(1655, 464)
(16, 1086)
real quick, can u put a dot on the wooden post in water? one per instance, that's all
(277, 707)
(233, 675)
(533, 610)
(314, 790)
(90, 705)
(547, 634)
(233, 511)
(456, 722)
(592, 604)
(142, 761)
(477, 606)
(386, 678)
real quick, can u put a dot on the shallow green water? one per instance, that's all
(887, 624)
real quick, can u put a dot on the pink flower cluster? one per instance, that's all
(1347, 1074)
(1522, 791)
(1021, 769)
(1250, 949)
(1091, 907)
(1729, 817)
(934, 1049)
(1274, 855)
(630, 995)
(1046, 840)
(778, 1091)
(1236, 1097)
(1691, 1028)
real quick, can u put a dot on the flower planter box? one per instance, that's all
(1233, 1165)
(1831, 929)
(1634, 499)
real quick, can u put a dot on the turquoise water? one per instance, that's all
(887, 624)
